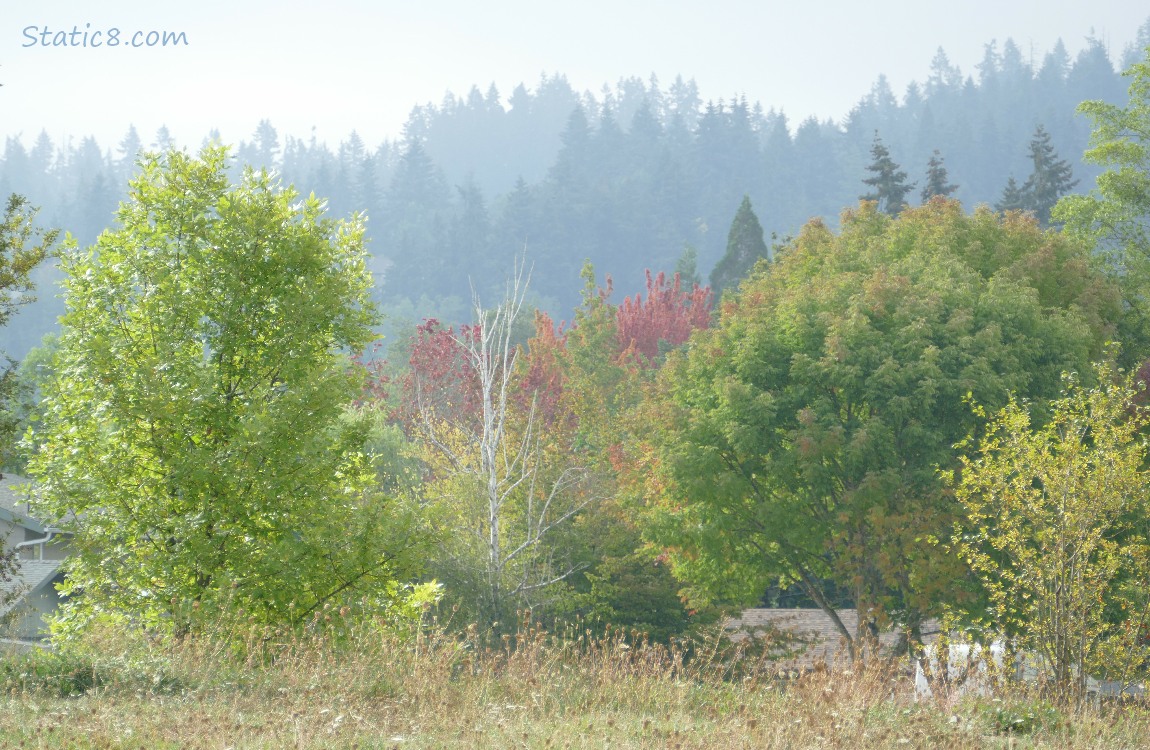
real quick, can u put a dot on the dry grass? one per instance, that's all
(372, 689)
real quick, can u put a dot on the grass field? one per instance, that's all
(372, 689)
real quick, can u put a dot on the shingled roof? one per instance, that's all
(30, 577)
(809, 632)
(14, 502)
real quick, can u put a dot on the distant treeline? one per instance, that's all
(627, 178)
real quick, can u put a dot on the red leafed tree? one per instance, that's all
(542, 380)
(668, 314)
(440, 378)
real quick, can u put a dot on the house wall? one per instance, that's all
(6, 530)
(53, 550)
(28, 620)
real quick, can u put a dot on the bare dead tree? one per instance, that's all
(522, 502)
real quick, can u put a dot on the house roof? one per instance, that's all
(14, 502)
(809, 632)
(31, 577)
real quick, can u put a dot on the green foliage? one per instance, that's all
(745, 247)
(390, 453)
(798, 441)
(191, 436)
(1022, 717)
(34, 370)
(1115, 213)
(1055, 529)
(49, 673)
(22, 249)
(688, 267)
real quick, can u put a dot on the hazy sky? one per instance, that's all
(340, 65)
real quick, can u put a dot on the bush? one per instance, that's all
(48, 672)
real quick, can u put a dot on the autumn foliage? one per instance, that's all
(439, 376)
(668, 315)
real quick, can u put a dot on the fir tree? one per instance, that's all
(745, 246)
(687, 267)
(936, 179)
(1050, 180)
(1013, 199)
(888, 181)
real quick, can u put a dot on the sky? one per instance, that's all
(339, 65)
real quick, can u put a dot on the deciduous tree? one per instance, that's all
(1055, 529)
(500, 487)
(797, 442)
(1115, 214)
(192, 433)
(665, 318)
(22, 248)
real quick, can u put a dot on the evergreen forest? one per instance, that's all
(642, 174)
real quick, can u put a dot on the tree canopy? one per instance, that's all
(191, 433)
(797, 442)
(22, 249)
(1055, 530)
(1115, 214)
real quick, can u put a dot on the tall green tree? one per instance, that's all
(745, 246)
(887, 180)
(798, 441)
(1050, 177)
(22, 249)
(937, 180)
(1115, 214)
(191, 434)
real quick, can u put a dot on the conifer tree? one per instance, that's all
(745, 246)
(889, 182)
(687, 267)
(1050, 180)
(1013, 199)
(936, 179)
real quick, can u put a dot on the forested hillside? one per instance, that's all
(628, 177)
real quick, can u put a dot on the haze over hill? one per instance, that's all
(351, 64)
(633, 175)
